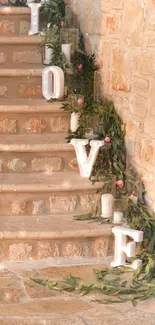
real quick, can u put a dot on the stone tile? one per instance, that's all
(35, 290)
(18, 207)
(7, 27)
(100, 247)
(10, 296)
(17, 165)
(71, 320)
(38, 207)
(24, 27)
(29, 91)
(8, 126)
(27, 57)
(35, 126)
(45, 307)
(6, 281)
(121, 70)
(3, 91)
(21, 322)
(20, 252)
(59, 124)
(63, 203)
(47, 249)
(46, 164)
(2, 58)
(6, 273)
(71, 250)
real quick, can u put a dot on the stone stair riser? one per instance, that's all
(28, 249)
(14, 24)
(51, 203)
(32, 162)
(21, 87)
(20, 54)
(34, 123)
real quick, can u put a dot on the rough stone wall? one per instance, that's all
(122, 33)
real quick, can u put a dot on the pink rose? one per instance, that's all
(107, 140)
(80, 67)
(62, 24)
(120, 183)
(80, 101)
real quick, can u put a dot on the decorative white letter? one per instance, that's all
(122, 249)
(53, 83)
(85, 162)
(35, 7)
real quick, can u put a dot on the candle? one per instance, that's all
(74, 122)
(107, 205)
(48, 55)
(66, 50)
(118, 217)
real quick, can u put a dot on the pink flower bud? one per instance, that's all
(107, 140)
(120, 183)
(80, 101)
(62, 24)
(80, 67)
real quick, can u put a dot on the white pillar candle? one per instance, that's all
(74, 122)
(107, 201)
(53, 83)
(86, 162)
(66, 50)
(118, 217)
(47, 55)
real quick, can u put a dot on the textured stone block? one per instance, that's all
(38, 207)
(10, 296)
(8, 126)
(20, 252)
(1, 165)
(30, 91)
(35, 126)
(3, 91)
(18, 207)
(121, 70)
(7, 27)
(24, 27)
(133, 18)
(59, 124)
(89, 202)
(71, 250)
(73, 164)
(27, 57)
(60, 204)
(113, 23)
(17, 165)
(2, 58)
(47, 249)
(149, 125)
(46, 164)
(100, 247)
(139, 105)
(139, 85)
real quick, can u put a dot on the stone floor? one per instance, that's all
(23, 302)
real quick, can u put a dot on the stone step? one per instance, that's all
(25, 238)
(32, 116)
(14, 20)
(25, 82)
(40, 153)
(19, 50)
(46, 193)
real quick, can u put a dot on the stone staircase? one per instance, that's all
(40, 185)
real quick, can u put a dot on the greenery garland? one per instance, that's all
(111, 161)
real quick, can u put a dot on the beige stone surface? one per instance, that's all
(47, 249)
(18, 207)
(46, 164)
(27, 57)
(17, 165)
(2, 58)
(35, 125)
(3, 91)
(8, 126)
(38, 207)
(20, 252)
(64, 203)
(24, 27)
(29, 91)
(59, 124)
(7, 27)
